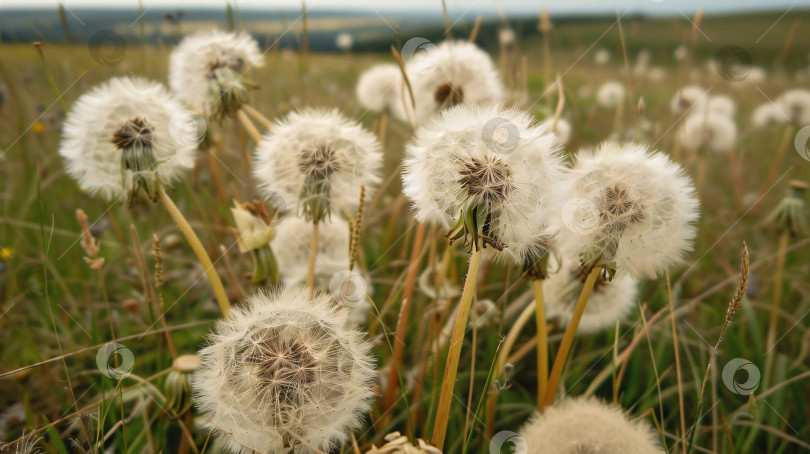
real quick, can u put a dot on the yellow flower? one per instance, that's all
(254, 229)
(38, 128)
(6, 253)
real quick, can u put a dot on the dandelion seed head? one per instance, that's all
(687, 98)
(722, 105)
(710, 130)
(768, 114)
(120, 117)
(291, 246)
(795, 104)
(208, 67)
(611, 94)
(317, 155)
(641, 210)
(588, 425)
(283, 369)
(562, 129)
(380, 88)
(491, 157)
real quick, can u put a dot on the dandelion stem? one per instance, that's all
(542, 340)
(313, 250)
(568, 337)
(249, 126)
(787, 135)
(258, 116)
(678, 375)
(456, 340)
(199, 250)
(778, 275)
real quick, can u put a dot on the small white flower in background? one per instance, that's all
(768, 114)
(207, 69)
(601, 57)
(562, 129)
(796, 105)
(681, 53)
(488, 170)
(316, 160)
(454, 72)
(291, 246)
(284, 370)
(126, 134)
(611, 94)
(687, 97)
(710, 130)
(627, 209)
(506, 36)
(380, 88)
(610, 301)
(588, 425)
(722, 104)
(344, 42)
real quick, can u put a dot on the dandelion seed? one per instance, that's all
(380, 88)
(714, 131)
(454, 72)
(587, 425)
(317, 160)
(207, 70)
(643, 209)
(488, 171)
(284, 371)
(116, 139)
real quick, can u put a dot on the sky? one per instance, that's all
(655, 7)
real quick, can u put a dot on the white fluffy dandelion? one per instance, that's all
(561, 129)
(611, 94)
(488, 170)
(317, 160)
(768, 114)
(587, 425)
(601, 57)
(610, 301)
(125, 134)
(380, 88)
(722, 104)
(284, 371)
(454, 72)
(796, 105)
(291, 246)
(688, 98)
(628, 209)
(711, 130)
(207, 69)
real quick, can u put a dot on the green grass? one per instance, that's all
(57, 312)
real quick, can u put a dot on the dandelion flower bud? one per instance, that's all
(318, 160)
(454, 72)
(124, 135)
(628, 209)
(796, 105)
(206, 71)
(380, 88)
(254, 231)
(487, 170)
(587, 425)
(611, 94)
(688, 97)
(291, 246)
(610, 300)
(284, 371)
(710, 130)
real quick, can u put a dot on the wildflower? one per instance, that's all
(610, 300)
(454, 72)
(284, 371)
(588, 425)
(611, 94)
(318, 159)
(380, 88)
(124, 135)
(291, 246)
(487, 171)
(628, 209)
(686, 98)
(206, 71)
(710, 130)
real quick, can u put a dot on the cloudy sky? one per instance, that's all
(669, 7)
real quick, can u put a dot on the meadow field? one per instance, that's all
(92, 324)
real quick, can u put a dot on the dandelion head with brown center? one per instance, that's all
(127, 134)
(380, 88)
(317, 160)
(207, 71)
(627, 209)
(284, 371)
(452, 73)
(484, 171)
(588, 425)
